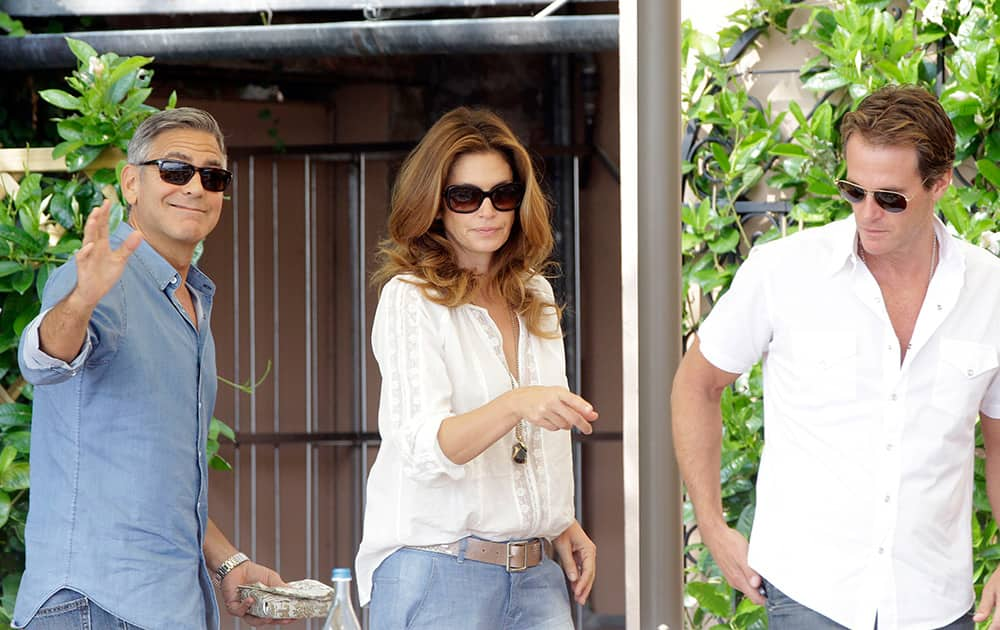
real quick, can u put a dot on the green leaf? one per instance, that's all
(14, 28)
(116, 215)
(66, 246)
(788, 150)
(44, 271)
(4, 508)
(721, 156)
(61, 99)
(127, 66)
(218, 463)
(11, 584)
(15, 414)
(81, 50)
(726, 242)
(745, 522)
(61, 210)
(172, 101)
(21, 440)
(17, 476)
(218, 427)
(136, 98)
(64, 148)
(23, 281)
(7, 456)
(82, 157)
(70, 129)
(990, 171)
(710, 597)
(120, 89)
(8, 267)
(104, 176)
(825, 81)
(20, 238)
(99, 134)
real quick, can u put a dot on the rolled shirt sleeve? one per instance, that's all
(416, 390)
(37, 362)
(37, 367)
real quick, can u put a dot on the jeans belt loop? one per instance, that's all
(462, 546)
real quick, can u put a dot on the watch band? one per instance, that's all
(228, 565)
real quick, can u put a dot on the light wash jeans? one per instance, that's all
(784, 613)
(69, 610)
(414, 589)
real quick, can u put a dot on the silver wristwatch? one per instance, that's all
(228, 565)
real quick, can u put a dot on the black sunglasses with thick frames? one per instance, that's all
(888, 200)
(178, 173)
(466, 198)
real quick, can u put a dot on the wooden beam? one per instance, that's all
(40, 160)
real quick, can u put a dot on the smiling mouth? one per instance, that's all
(186, 208)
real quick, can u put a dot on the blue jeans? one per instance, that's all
(415, 589)
(784, 613)
(69, 610)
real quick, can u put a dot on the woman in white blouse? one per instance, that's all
(472, 487)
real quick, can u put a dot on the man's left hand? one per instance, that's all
(249, 573)
(578, 556)
(989, 603)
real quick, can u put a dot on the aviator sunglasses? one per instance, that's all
(888, 200)
(178, 173)
(465, 198)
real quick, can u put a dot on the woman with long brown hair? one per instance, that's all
(472, 488)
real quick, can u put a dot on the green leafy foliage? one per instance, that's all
(739, 150)
(12, 27)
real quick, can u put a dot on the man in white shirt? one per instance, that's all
(879, 340)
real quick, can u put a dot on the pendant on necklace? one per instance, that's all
(519, 453)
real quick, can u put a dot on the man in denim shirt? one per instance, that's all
(123, 360)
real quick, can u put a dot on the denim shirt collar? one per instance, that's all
(162, 272)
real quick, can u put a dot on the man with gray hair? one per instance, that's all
(123, 362)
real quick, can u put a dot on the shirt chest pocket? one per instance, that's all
(826, 366)
(963, 373)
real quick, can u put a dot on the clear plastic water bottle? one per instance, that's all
(342, 615)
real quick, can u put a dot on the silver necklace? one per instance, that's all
(518, 452)
(934, 254)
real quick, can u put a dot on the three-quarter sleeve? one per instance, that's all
(416, 388)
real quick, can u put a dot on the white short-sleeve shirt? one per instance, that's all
(437, 362)
(864, 494)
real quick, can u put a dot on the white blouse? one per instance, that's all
(437, 362)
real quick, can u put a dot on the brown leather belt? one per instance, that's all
(514, 556)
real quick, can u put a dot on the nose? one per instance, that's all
(193, 185)
(867, 207)
(486, 208)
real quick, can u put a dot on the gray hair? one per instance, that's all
(179, 118)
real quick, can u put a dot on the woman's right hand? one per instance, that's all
(553, 408)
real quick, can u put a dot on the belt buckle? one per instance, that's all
(524, 562)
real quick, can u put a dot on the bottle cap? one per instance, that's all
(340, 574)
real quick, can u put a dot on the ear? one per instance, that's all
(940, 186)
(130, 184)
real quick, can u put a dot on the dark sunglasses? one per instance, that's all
(888, 200)
(465, 198)
(213, 179)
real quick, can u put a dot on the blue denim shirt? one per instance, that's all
(119, 482)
